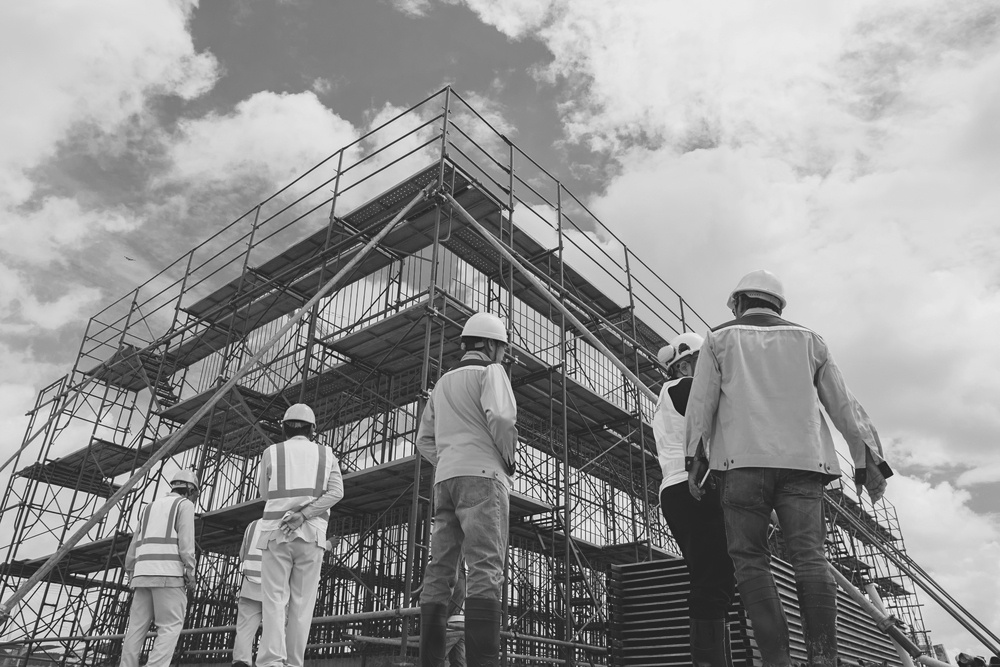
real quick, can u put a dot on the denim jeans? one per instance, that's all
(471, 518)
(700, 531)
(748, 496)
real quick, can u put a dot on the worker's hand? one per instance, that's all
(333, 542)
(291, 522)
(875, 482)
(697, 472)
(190, 581)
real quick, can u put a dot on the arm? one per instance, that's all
(185, 539)
(264, 475)
(703, 400)
(839, 404)
(425, 433)
(130, 554)
(501, 412)
(334, 492)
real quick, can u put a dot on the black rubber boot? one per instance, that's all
(482, 632)
(818, 604)
(710, 643)
(767, 618)
(433, 634)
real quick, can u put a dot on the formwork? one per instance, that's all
(206, 355)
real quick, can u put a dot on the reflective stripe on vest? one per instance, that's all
(300, 470)
(157, 553)
(253, 554)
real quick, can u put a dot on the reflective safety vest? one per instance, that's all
(252, 553)
(157, 553)
(300, 469)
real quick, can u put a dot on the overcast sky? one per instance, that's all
(850, 146)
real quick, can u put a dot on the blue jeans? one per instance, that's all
(471, 518)
(748, 496)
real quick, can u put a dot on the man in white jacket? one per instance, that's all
(249, 610)
(301, 481)
(467, 430)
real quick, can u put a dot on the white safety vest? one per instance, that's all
(668, 429)
(157, 553)
(300, 469)
(252, 553)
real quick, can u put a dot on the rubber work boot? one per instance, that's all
(818, 603)
(240, 663)
(710, 643)
(482, 632)
(767, 617)
(433, 634)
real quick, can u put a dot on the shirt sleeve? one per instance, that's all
(334, 492)
(265, 473)
(130, 554)
(840, 405)
(185, 535)
(243, 544)
(425, 433)
(501, 411)
(703, 401)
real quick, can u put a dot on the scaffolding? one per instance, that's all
(165, 365)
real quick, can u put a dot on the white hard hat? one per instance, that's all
(185, 477)
(759, 284)
(681, 347)
(485, 325)
(300, 412)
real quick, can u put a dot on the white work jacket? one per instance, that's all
(157, 550)
(468, 426)
(250, 553)
(668, 429)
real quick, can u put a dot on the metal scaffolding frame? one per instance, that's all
(203, 358)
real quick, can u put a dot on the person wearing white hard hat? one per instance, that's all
(300, 481)
(160, 565)
(754, 414)
(467, 431)
(249, 609)
(698, 527)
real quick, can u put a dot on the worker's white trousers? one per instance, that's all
(164, 605)
(248, 615)
(289, 576)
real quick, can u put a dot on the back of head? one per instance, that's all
(299, 420)
(762, 288)
(482, 327)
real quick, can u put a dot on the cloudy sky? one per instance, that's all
(850, 146)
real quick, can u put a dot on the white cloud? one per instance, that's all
(414, 8)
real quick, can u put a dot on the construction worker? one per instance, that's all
(248, 608)
(300, 481)
(160, 565)
(698, 527)
(467, 430)
(754, 414)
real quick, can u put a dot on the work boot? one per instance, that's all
(767, 618)
(818, 604)
(240, 663)
(482, 632)
(710, 643)
(433, 634)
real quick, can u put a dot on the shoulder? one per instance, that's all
(759, 321)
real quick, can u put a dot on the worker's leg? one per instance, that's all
(746, 500)
(482, 506)
(276, 568)
(799, 505)
(248, 615)
(699, 528)
(440, 575)
(140, 615)
(169, 605)
(303, 588)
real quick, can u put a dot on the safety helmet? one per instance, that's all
(185, 478)
(759, 284)
(681, 347)
(300, 412)
(485, 325)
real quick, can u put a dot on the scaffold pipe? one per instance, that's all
(885, 623)
(876, 600)
(49, 565)
(591, 338)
